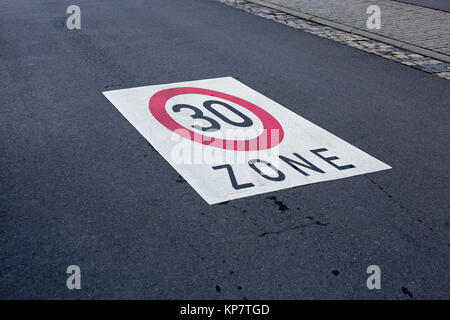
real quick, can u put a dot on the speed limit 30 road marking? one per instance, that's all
(229, 141)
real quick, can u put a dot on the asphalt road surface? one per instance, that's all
(79, 185)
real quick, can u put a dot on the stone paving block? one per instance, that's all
(419, 26)
(400, 53)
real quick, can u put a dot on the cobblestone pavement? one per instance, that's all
(384, 50)
(423, 27)
(433, 4)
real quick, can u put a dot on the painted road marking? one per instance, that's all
(228, 141)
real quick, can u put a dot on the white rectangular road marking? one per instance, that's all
(193, 125)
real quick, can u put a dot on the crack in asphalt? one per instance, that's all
(390, 196)
(280, 204)
(292, 228)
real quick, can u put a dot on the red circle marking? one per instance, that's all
(157, 106)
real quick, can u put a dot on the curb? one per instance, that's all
(353, 30)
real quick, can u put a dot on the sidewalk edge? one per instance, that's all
(367, 34)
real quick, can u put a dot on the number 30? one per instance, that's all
(214, 125)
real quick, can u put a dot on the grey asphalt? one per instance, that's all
(79, 185)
